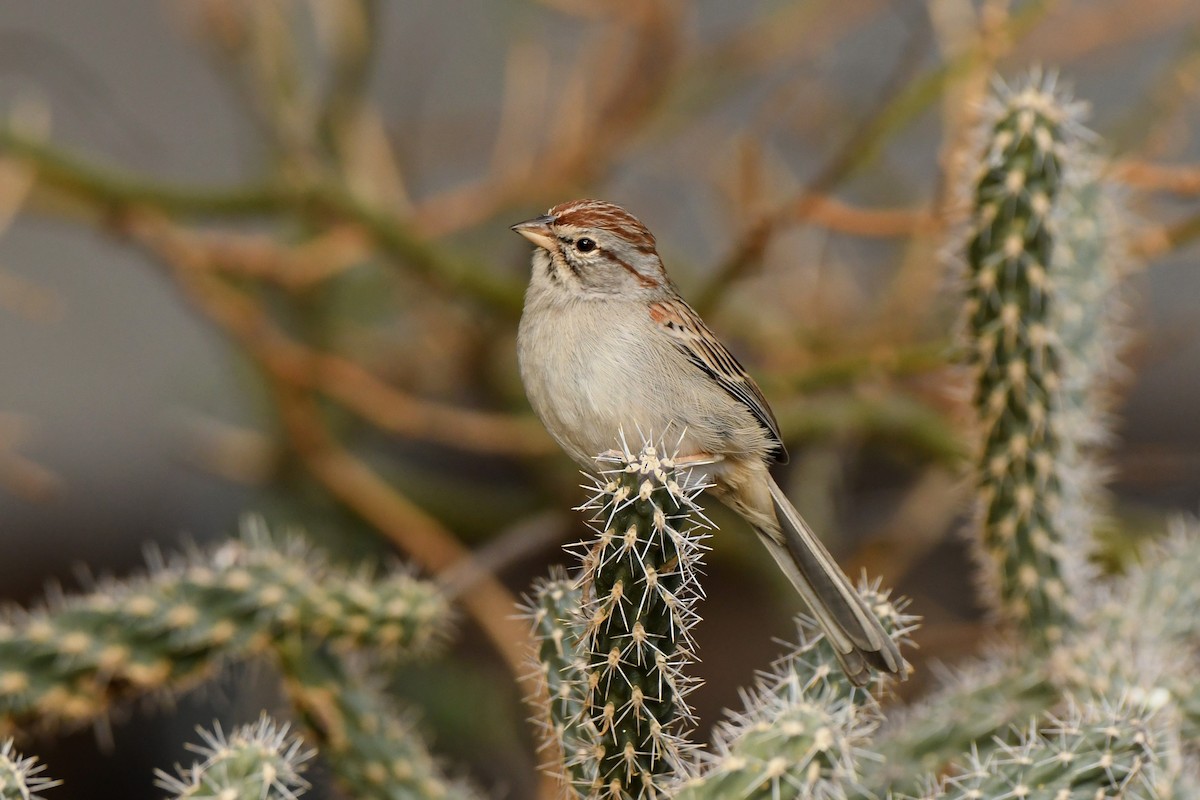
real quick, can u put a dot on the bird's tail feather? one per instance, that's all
(856, 634)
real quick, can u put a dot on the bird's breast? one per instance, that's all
(590, 373)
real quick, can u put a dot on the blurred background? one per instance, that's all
(255, 258)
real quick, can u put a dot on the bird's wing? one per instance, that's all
(694, 339)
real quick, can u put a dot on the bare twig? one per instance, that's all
(603, 104)
(1181, 179)
(108, 191)
(341, 379)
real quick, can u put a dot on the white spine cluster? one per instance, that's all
(260, 760)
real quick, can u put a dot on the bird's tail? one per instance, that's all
(856, 634)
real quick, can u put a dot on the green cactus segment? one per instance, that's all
(803, 725)
(1144, 640)
(1089, 318)
(374, 751)
(973, 711)
(1087, 312)
(70, 662)
(552, 612)
(1017, 359)
(1091, 751)
(20, 776)
(260, 760)
(639, 587)
(1137, 640)
(806, 750)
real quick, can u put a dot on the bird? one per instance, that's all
(607, 344)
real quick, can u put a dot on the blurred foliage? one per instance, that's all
(800, 192)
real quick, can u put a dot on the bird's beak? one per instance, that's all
(537, 230)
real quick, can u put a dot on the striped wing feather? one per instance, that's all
(703, 349)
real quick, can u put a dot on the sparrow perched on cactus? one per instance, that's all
(607, 344)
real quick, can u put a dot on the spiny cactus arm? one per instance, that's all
(639, 587)
(1139, 639)
(373, 749)
(1016, 355)
(1144, 632)
(20, 776)
(1162, 593)
(975, 708)
(1092, 750)
(1091, 257)
(73, 660)
(260, 760)
(797, 749)
(558, 703)
(804, 725)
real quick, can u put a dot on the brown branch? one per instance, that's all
(1173, 178)
(837, 215)
(20, 475)
(1156, 240)
(604, 102)
(749, 249)
(1097, 26)
(297, 267)
(344, 381)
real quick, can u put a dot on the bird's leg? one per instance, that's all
(696, 460)
(696, 468)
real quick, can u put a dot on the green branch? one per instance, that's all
(110, 191)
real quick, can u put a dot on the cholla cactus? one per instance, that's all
(259, 760)
(1138, 640)
(1090, 751)
(70, 662)
(613, 644)
(639, 586)
(1017, 354)
(372, 747)
(1141, 636)
(552, 612)
(20, 776)
(804, 727)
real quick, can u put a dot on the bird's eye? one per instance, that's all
(585, 245)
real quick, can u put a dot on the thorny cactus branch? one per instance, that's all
(612, 647)
(20, 776)
(639, 584)
(1089, 751)
(1138, 640)
(373, 749)
(1017, 356)
(558, 701)
(260, 760)
(73, 660)
(805, 726)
